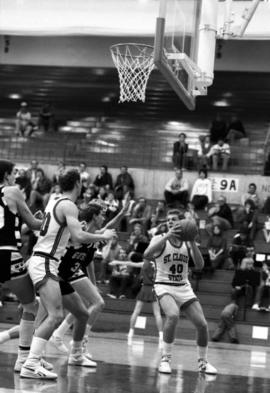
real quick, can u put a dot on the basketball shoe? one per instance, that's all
(20, 362)
(165, 364)
(57, 341)
(205, 367)
(35, 370)
(78, 359)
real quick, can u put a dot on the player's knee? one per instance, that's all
(31, 308)
(55, 318)
(173, 318)
(100, 304)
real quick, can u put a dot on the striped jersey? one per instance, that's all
(54, 235)
(10, 225)
(172, 264)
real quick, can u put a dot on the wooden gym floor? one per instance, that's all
(124, 368)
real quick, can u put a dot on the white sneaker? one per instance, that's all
(165, 365)
(57, 341)
(36, 371)
(20, 362)
(78, 359)
(206, 368)
(85, 350)
(255, 307)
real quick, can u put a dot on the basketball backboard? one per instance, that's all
(184, 46)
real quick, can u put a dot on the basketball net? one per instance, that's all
(134, 63)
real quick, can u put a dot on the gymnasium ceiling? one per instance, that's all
(109, 17)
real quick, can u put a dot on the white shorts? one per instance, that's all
(41, 268)
(182, 294)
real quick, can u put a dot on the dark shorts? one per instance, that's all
(147, 294)
(12, 265)
(66, 288)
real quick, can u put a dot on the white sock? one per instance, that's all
(37, 347)
(167, 348)
(131, 333)
(202, 352)
(76, 346)
(4, 336)
(87, 331)
(62, 329)
(161, 336)
(26, 334)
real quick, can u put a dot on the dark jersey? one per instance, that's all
(76, 258)
(10, 225)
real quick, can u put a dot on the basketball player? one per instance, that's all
(76, 271)
(145, 295)
(172, 287)
(60, 221)
(13, 210)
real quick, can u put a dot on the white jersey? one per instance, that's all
(54, 235)
(172, 264)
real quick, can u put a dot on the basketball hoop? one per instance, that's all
(134, 63)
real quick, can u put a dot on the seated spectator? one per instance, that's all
(241, 245)
(245, 282)
(201, 193)
(217, 249)
(32, 171)
(110, 252)
(141, 213)
(137, 243)
(104, 178)
(235, 130)
(61, 167)
(176, 191)
(40, 193)
(56, 192)
(24, 124)
(112, 205)
(266, 230)
(191, 214)
(124, 182)
(46, 120)
(24, 184)
(204, 148)
(127, 199)
(158, 217)
(84, 175)
(262, 301)
(218, 129)
(252, 195)
(88, 195)
(249, 218)
(221, 215)
(180, 149)
(220, 154)
(227, 323)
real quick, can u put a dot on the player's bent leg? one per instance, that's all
(136, 312)
(24, 290)
(159, 322)
(74, 304)
(91, 296)
(50, 296)
(171, 311)
(195, 314)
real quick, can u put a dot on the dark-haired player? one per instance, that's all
(76, 267)
(13, 210)
(173, 289)
(60, 222)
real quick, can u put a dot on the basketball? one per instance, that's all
(188, 230)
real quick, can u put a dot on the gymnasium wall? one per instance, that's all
(94, 51)
(151, 183)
